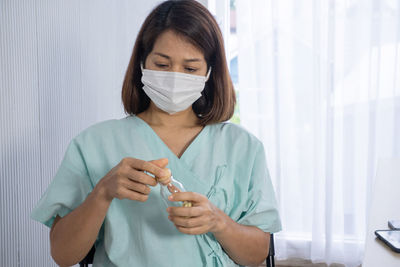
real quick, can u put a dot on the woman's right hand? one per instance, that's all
(73, 235)
(129, 180)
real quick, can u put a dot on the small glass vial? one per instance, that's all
(168, 186)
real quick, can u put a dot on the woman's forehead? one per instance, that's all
(176, 46)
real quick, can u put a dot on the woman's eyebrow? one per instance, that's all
(162, 55)
(168, 57)
(192, 60)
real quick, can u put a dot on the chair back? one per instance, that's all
(88, 259)
(270, 260)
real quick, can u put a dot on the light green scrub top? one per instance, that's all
(224, 163)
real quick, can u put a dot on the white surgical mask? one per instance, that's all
(173, 91)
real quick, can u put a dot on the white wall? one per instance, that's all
(62, 65)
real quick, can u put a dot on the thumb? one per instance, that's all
(162, 163)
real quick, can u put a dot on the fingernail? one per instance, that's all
(171, 197)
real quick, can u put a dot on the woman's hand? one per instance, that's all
(246, 245)
(129, 180)
(201, 218)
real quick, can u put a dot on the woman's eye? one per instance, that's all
(190, 69)
(160, 65)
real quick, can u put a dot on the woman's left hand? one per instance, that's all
(201, 218)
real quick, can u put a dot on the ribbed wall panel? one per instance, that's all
(62, 65)
(20, 179)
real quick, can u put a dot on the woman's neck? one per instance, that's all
(157, 118)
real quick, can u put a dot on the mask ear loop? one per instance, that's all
(208, 76)
(141, 66)
(208, 73)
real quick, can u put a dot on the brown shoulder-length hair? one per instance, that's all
(193, 21)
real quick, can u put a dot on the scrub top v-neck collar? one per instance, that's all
(189, 149)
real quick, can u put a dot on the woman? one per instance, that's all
(178, 93)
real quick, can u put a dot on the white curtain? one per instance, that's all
(319, 84)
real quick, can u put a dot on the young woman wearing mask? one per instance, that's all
(178, 94)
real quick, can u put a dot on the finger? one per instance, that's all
(162, 163)
(132, 195)
(142, 165)
(185, 212)
(152, 168)
(141, 177)
(193, 230)
(188, 196)
(166, 179)
(188, 222)
(137, 187)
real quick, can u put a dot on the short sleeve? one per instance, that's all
(261, 207)
(68, 189)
